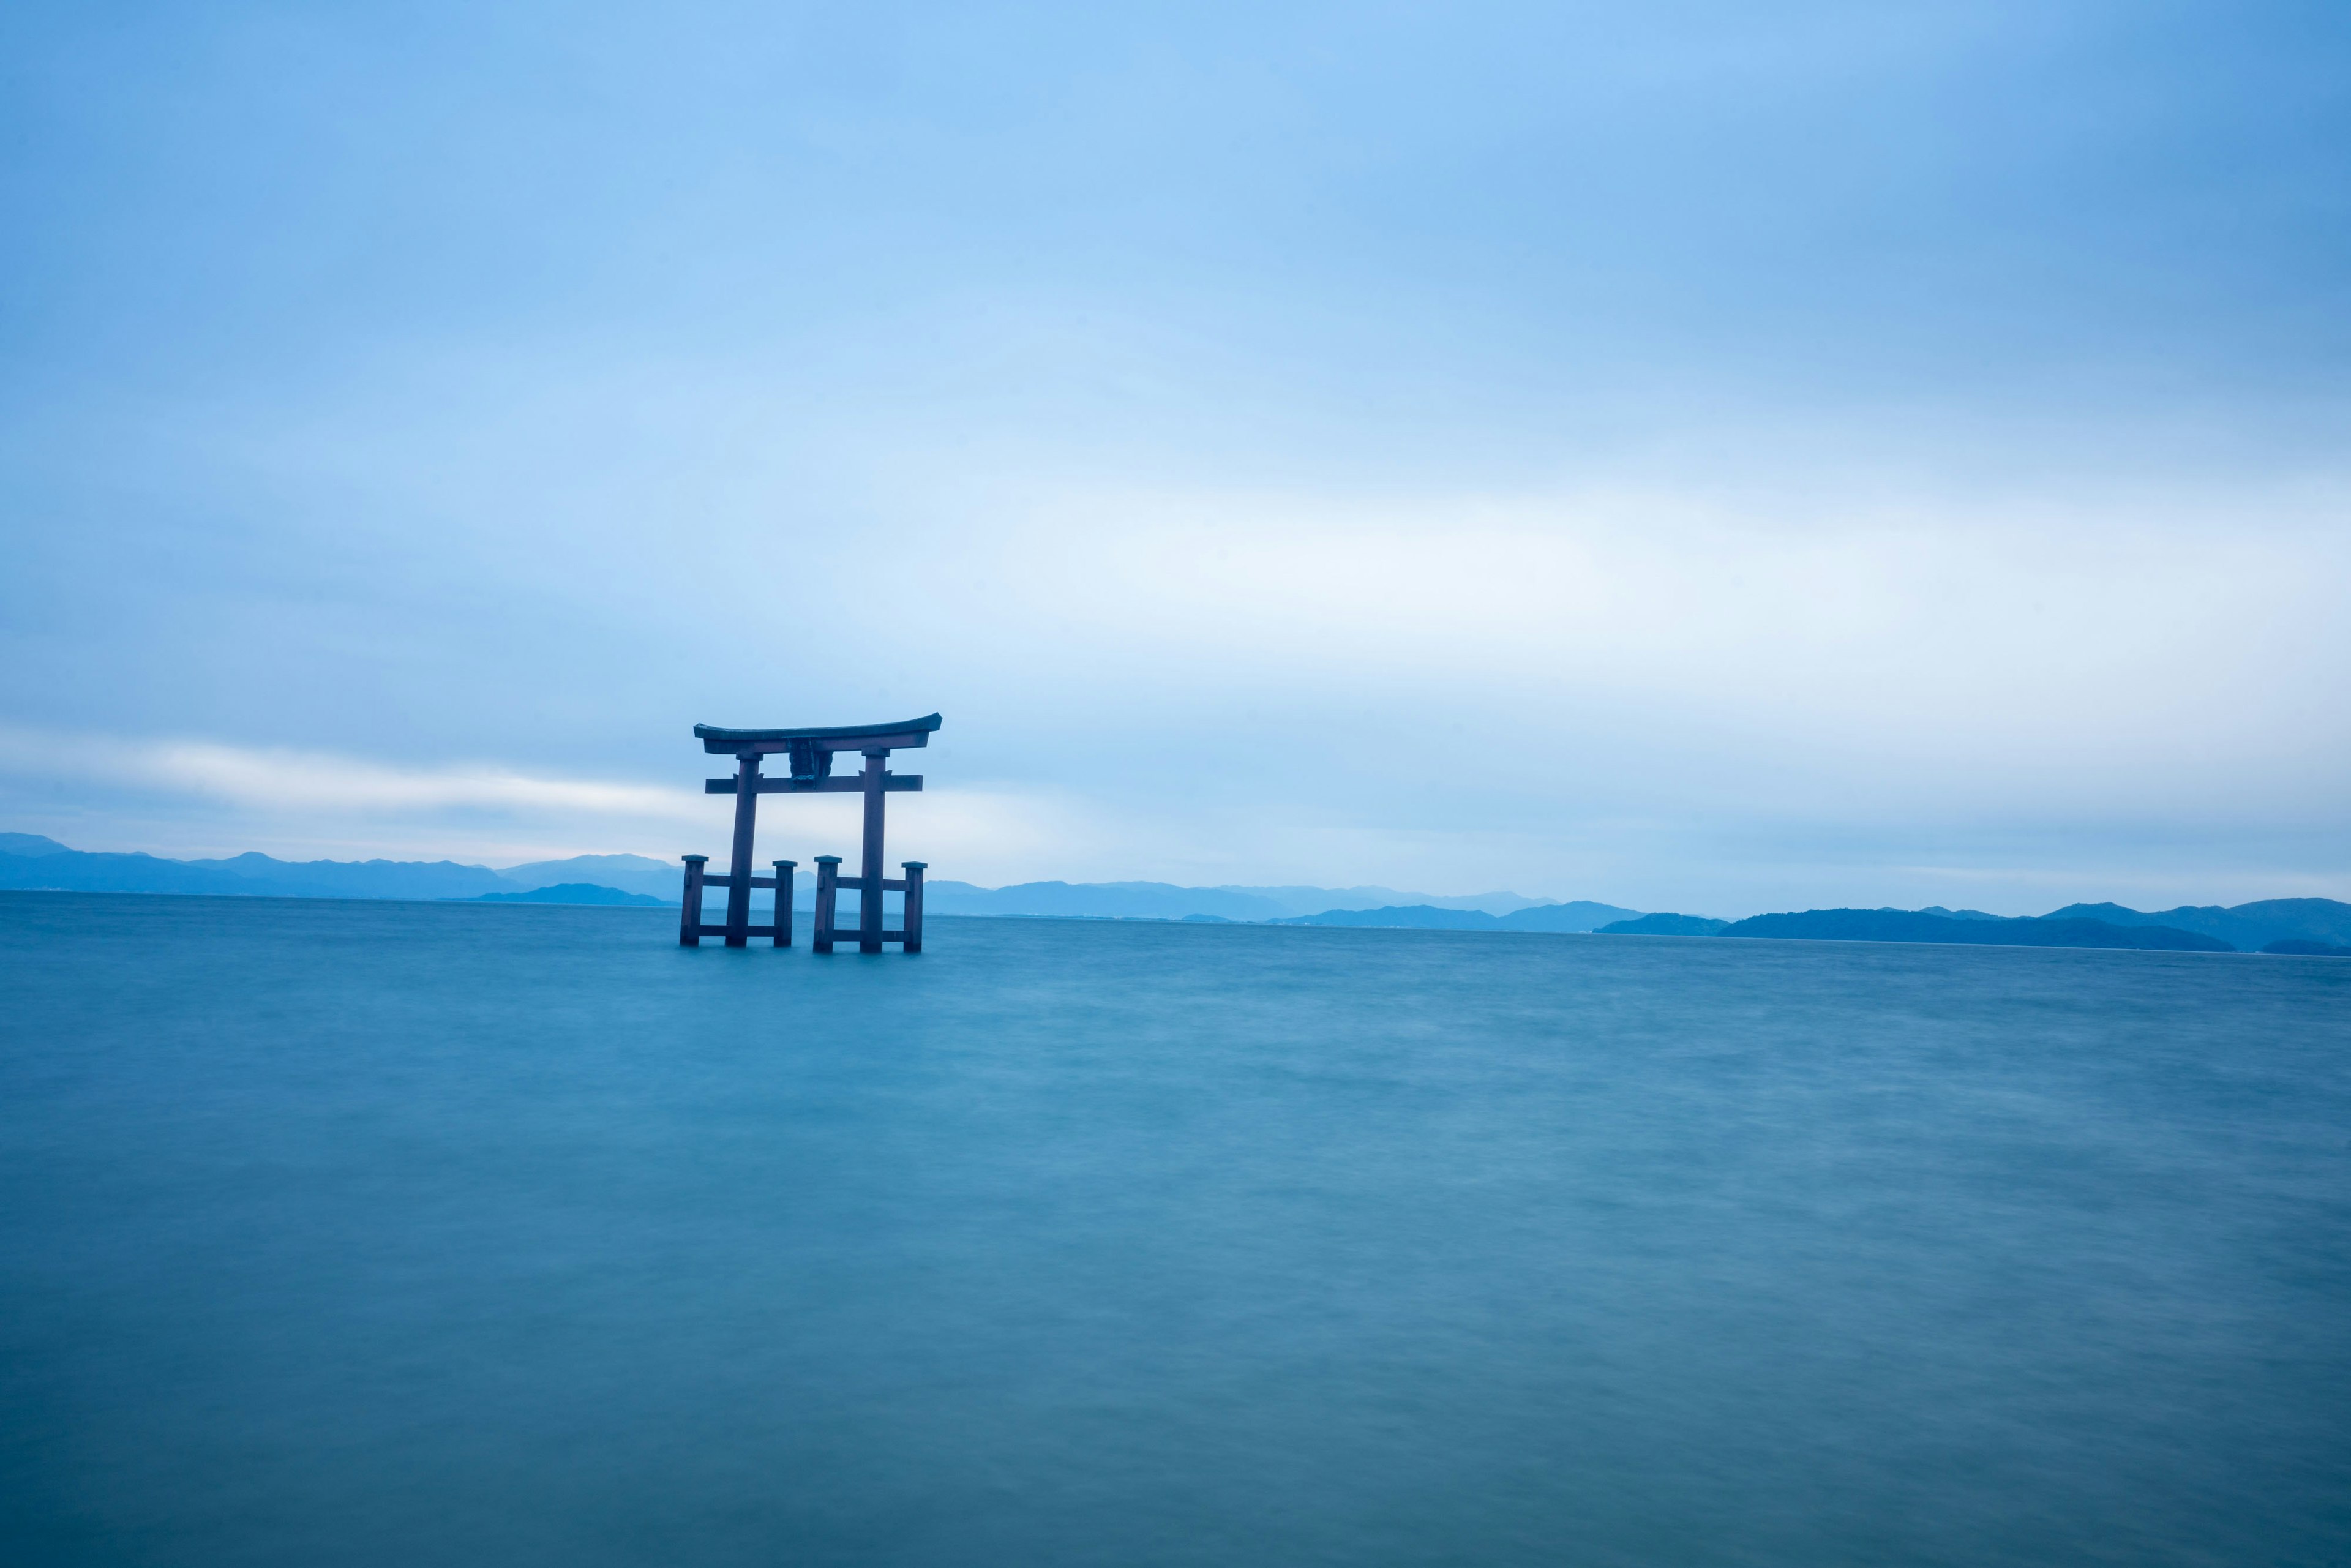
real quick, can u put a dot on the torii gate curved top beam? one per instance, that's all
(849, 737)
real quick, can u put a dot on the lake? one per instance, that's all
(348, 1233)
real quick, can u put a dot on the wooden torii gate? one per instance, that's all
(811, 752)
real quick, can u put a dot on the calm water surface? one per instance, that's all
(406, 1234)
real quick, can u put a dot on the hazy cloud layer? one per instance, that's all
(1681, 456)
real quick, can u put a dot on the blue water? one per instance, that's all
(409, 1234)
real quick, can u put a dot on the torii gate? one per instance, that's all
(812, 752)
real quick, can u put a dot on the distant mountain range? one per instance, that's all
(2312, 926)
(1166, 901)
(2257, 925)
(2299, 926)
(30, 861)
(572, 892)
(1580, 915)
(2247, 926)
(1665, 925)
(1911, 926)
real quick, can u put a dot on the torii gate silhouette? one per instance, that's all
(811, 753)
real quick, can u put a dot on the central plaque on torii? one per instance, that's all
(809, 753)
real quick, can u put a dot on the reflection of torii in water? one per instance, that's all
(810, 751)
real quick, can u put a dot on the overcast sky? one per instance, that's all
(1705, 457)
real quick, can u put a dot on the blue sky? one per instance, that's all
(1699, 457)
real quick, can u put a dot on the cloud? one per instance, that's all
(2070, 642)
(281, 778)
(1851, 446)
(306, 802)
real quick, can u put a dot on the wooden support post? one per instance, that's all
(689, 924)
(738, 875)
(828, 875)
(869, 901)
(784, 902)
(911, 923)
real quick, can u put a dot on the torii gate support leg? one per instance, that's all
(868, 900)
(689, 919)
(738, 880)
